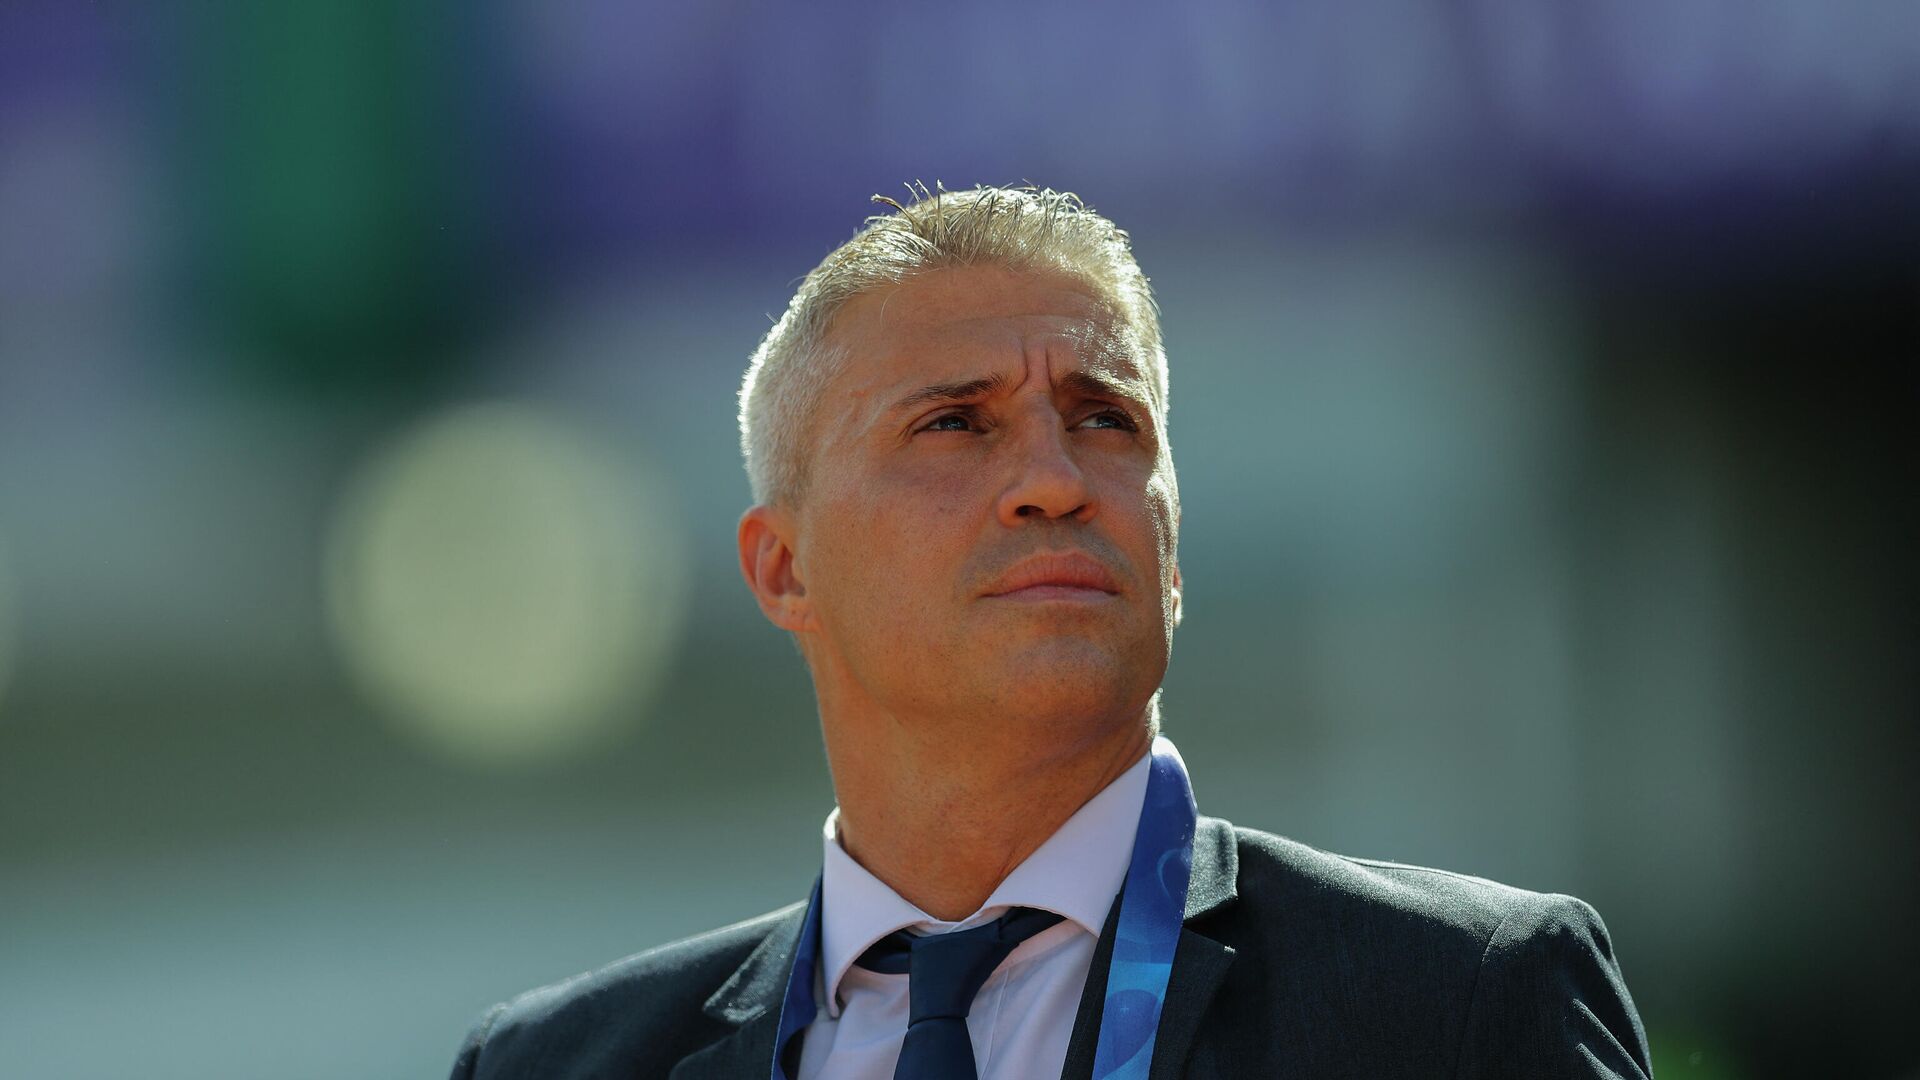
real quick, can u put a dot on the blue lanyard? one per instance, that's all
(1152, 907)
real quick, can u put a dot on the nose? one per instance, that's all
(1046, 481)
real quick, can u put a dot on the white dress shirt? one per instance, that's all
(1023, 1017)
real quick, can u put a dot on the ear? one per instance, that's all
(767, 563)
(1176, 593)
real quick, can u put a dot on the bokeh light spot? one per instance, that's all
(505, 588)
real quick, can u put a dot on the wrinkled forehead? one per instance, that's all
(950, 324)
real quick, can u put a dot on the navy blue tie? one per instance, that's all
(944, 972)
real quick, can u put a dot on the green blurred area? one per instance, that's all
(337, 237)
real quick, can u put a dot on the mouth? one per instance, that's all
(1058, 577)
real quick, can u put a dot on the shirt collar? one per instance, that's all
(1075, 873)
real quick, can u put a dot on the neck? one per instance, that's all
(943, 822)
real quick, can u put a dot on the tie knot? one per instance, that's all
(945, 971)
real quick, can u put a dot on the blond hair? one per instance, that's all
(1022, 228)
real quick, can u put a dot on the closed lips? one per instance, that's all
(1070, 571)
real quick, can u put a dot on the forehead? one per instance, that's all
(962, 322)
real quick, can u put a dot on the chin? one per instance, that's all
(1075, 679)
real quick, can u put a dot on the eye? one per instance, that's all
(1112, 420)
(952, 421)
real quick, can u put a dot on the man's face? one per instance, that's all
(991, 518)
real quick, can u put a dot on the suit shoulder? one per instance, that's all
(1443, 907)
(686, 965)
(632, 1000)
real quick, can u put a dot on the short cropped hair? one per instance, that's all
(1021, 228)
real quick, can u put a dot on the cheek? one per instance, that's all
(895, 541)
(931, 497)
(1144, 493)
(1163, 502)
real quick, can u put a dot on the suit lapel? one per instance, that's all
(750, 1000)
(1199, 964)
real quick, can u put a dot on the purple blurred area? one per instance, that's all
(1542, 385)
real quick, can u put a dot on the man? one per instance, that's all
(966, 516)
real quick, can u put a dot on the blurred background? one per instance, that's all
(371, 647)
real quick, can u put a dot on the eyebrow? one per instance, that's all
(1085, 383)
(965, 390)
(1090, 384)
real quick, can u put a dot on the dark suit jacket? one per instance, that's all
(1292, 963)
